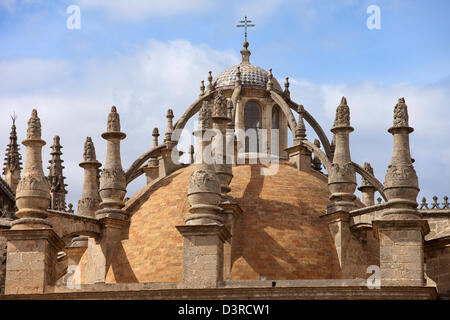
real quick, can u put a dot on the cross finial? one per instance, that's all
(245, 24)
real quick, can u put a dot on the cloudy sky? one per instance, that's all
(148, 56)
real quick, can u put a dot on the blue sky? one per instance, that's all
(146, 56)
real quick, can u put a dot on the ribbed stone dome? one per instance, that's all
(251, 77)
(280, 234)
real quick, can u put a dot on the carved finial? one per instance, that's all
(379, 200)
(435, 204)
(169, 128)
(342, 114)
(155, 135)
(12, 164)
(89, 150)
(269, 80)
(401, 114)
(34, 126)
(220, 105)
(202, 88)
(56, 177)
(238, 76)
(113, 120)
(424, 204)
(210, 82)
(70, 206)
(245, 54)
(191, 154)
(364, 181)
(300, 129)
(287, 93)
(204, 117)
(445, 205)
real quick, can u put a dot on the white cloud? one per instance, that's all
(143, 85)
(137, 10)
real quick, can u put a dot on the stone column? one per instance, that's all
(204, 233)
(56, 178)
(13, 159)
(90, 198)
(111, 215)
(342, 184)
(32, 244)
(152, 169)
(366, 188)
(223, 166)
(169, 157)
(401, 230)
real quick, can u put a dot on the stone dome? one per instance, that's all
(280, 234)
(251, 77)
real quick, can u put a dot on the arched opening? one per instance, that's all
(252, 126)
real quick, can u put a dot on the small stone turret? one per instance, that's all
(204, 232)
(400, 230)
(12, 165)
(316, 163)
(33, 190)
(401, 185)
(169, 128)
(220, 118)
(204, 185)
(300, 129)
(56, 178)
(342, 176)
(90, 198)
(269, 81)
(152, 169)
(287, 93)
(210, 86)
(366, 188)
(202, 88)
(112, 179)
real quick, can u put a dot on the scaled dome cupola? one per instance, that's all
(251, 76)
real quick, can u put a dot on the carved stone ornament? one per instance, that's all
(401, 114)
(34, 126)
(204, 116)
(342, 172)
(342, 114)
(220, 105)
(401, 175)
(113, 178)
(113, 120)
(203, 181)
(89, 150)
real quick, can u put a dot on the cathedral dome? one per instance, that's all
(279, 235)
(251, 76)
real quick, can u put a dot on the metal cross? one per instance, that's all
(245, 25)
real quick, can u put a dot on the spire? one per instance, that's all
(112, 179)
(204, 185)
(366, 188)
(90, 199)
(33, 190)
(401, 184)
(155, 135)
(287, 93)
(245, 53)
(169, 128)
(210, 86)
(300, 129)
(269, 80)
(202, 88)
(56, 177)
(342, 175)
(12, 165)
